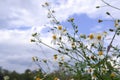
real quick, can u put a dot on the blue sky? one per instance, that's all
(20, 18)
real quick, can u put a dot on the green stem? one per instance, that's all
(58, 51)
(108, 49)
(110, 5)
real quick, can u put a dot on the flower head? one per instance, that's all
(91, 36)
(37, 78)
(54, 37)
(116, 23)
(94, 77)
(112, 74)
(100, 54)
(96, 39)
(56, 78)
(73, 45)
(59, 27)
(99, 37)
(89, 70)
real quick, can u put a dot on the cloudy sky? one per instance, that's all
(20, 18)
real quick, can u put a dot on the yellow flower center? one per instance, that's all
(100, 53)
(99, 37)
(73, 45)
(54, 37)
(112, 74)
(38, 79)
(59, 27)
(91, 36)
(56, 78)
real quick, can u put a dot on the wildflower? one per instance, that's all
(55, 57)
(56, 78)
(116, 23)
(92, 57)
(54, 37)
(38, 78)
(94, 77)
(99, 37)
(112, 74)
(89, 70)
(100, 53)
(59, 27)
(96, 39)
(101, 56)
(73, 45)
(91, 36)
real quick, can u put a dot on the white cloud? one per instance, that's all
(30, 13)
(88, 7)
(22, 12)
(17, 50)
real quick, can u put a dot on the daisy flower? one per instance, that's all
(100, 55)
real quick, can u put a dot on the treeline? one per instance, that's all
(13, 75)
(38, 75)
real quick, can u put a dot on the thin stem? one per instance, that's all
(110, 5)
(108, 49)
(58, 51)
(40, 67)
(53, 16)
